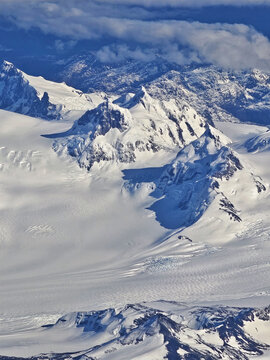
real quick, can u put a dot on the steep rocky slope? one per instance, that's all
(37, 97)
(133, 125)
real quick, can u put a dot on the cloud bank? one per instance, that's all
(134, 36)
(228, 46)
(52, 4)
(187, 3)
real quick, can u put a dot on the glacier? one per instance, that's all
(156, 192)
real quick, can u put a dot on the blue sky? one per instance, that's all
(227, 33)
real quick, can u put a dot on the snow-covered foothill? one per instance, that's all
(157, 330)
(259, 143)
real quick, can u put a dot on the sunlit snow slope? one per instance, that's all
(41, 98)
(186, 219)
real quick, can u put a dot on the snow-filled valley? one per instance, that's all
(136, 198)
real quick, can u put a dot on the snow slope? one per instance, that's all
(203, 174)
(143, 199)
(77, 240)
(259, 143)
(38, 97)
(71, 103)
(125, 130)
(157, 330)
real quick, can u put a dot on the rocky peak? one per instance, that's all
(122, 130)
(16, 94)
(104, 117)
(200, 176)
(167, 329)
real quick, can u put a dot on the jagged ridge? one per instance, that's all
(214, 93)
(123, 130)
(175, 332)
(16, 94)
(198, 176)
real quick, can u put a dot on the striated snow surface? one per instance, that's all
(143, 197)
(156, 330)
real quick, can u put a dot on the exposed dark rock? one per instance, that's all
(140, 323)
(16, 94)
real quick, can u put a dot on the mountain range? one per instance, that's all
(178, 151)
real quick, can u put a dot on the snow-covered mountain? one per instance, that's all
(200, 175)
(240, 95)
(205, 172)
(129, 127)
(164, 334)
(135, 127)
(214, 93)
(259, 143)
(88, 73)
(16, 94)
(37, 97)
(143, 194)
(160, 330)
(218, 95)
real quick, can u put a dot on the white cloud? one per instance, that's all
(187, 3)
(3, 48)
(118, 53)
(233, 46)
(61, 45)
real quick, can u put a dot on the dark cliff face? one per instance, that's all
(16, 94)
(102, 119)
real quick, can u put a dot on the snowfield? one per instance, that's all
(71, 240)
(88, 226)
(156, 330)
